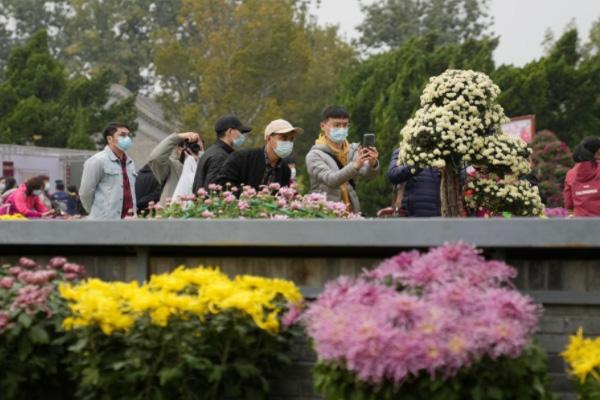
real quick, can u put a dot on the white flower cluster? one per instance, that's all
(456, 108)
(502, 155)
(517, 197)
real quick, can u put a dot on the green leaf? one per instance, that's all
(167, 375)
(246, 369)
(91, 376)
(216, 374)
(80, 345)
(25, 320)
(39, 335)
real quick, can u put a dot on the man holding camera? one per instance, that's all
(166, 160)
(333, 164)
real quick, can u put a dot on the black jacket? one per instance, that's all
(211, 164)
(249, 167)
(422, 192)
(147, 188)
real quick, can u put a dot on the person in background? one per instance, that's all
(7, 186)
(166, 161)
(147, 189)
(231, 135)
(109, 177)
(186, 180)
(264, 165)
(581, 193)
(45, 196)
(333, 164)
(26, 200)
(74, 206)
(422, 191)
(60, 197)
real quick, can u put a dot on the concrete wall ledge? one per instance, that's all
(392, 233)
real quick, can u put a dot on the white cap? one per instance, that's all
(281, 126)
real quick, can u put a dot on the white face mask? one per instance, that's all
(47, 186)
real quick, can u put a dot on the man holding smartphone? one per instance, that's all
(333, 164)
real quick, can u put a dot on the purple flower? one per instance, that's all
(432, 313)
(75, 269)
(37, 277)
(229, 199)
(274, 186)
(207, 214)
(281, 203)
(556, 212)
(57, 262)
(292, 315)
(4, 320)
(32, 299)
(202, 192)
(243, 205)
(27, 263)
(6, 282)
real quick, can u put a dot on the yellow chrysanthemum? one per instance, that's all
(116, 306)
(583, 356)
(13, 217)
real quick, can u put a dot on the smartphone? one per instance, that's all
(368, 140)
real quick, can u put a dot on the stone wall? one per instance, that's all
(557, 262)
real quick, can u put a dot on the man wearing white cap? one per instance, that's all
(265, 165)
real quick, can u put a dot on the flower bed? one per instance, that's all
(193, 333)
(33, 345)
(441, 325)
(272, 202)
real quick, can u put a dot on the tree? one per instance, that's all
(38, 103)
(383, 92)
(551, 161)
(592, 47)
(21, 18)
(79, 137)
(561, 89)
(116, 34)
(258, 59)
(91, 35)
(389, 23)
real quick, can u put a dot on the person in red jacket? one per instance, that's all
(581, 192)
(26, 200)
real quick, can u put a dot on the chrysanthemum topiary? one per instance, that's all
(459, 125)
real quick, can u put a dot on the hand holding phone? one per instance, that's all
(368, 140)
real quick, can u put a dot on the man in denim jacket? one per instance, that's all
(109, 177)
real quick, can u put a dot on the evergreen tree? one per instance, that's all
(40, 104)
(79, 137)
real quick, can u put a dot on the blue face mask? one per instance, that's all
(37, 192)
(338, 135)
(283, 148)
(124, 143)
(239, 141)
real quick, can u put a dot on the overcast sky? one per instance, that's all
(521, 24)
